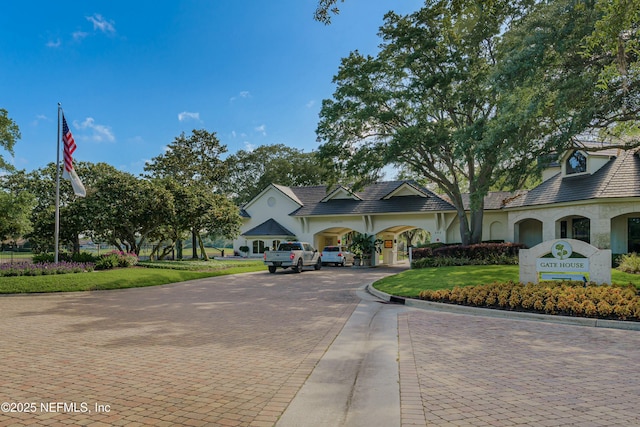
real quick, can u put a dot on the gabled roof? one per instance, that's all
(619, 178)
(495, 200)
(372, 199)
(407, 188)
(287, 191)
(341, 192)
(281, 188)
(270, 227)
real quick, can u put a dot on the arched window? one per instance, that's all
(577, 163)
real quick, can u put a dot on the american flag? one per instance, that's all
(68, 172)
(69, 145)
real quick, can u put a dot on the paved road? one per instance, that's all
(250, 350)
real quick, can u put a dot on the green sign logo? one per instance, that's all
(561, 250)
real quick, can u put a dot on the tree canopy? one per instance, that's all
(250, 172)
(325, 9)
(191, 159)
(9, 134)
(15, 211)
(558, 80)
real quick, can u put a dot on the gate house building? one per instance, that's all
(589, 196)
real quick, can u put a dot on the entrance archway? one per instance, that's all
(396, 241)
(625, 233)
(334, 236)
(528, 232)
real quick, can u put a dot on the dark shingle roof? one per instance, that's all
(270, 227)
(372, 201)
(620, 177)
(494, 200)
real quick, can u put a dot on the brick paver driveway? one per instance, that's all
(462, 370)
(223, 351)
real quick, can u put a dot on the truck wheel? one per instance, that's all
(299, 266)
(272, 269)
(318, 265)
(342, 263)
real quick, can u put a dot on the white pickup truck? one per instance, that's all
(293, 254)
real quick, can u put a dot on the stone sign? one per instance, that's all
(596, 262)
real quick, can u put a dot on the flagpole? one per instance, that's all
(57, 229)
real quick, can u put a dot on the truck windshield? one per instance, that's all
(290, 247)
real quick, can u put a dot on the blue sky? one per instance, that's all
(131, 76)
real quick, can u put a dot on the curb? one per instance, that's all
(504, 314)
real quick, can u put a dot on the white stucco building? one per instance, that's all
(588, 196)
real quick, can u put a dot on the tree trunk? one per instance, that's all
(76, 245)
(409, 235)
(465, 232)
(476, 226)
(202, 249)
(179, 249)
(194, 244)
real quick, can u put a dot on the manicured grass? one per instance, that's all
(114, 279)
(409, 283)
(6, 256)
(211, 265)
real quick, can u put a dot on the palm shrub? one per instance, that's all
(629, 263)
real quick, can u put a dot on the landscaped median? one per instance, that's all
(145, 274)
(496, 286)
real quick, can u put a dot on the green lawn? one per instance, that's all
(409, 283)
(120, 278)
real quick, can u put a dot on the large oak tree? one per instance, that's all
(194, 163)
(427, 101)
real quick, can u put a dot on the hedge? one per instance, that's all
(564, 298)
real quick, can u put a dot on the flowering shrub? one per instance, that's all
(115, 259)
(27, 268)
(447, 261)
(564, 298)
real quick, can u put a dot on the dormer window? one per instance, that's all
(576, 163)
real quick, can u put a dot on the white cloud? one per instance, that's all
(186, 115)
(79, 35)
(54, 43)
(311, 103)
(233, 134)
(101, 24)
(242, 94)
(39, 118)
(249, 146)
(262, 129)
(101, 133)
